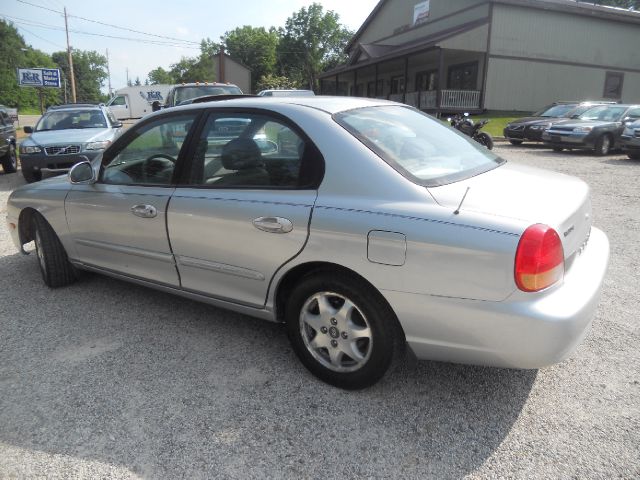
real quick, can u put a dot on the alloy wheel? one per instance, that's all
(335, 332)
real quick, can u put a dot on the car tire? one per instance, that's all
(10, 161)
(54, 264)
(557, 149)
(31, 176)
(515, 142)
(485, 139)
(603, 145)
(342, 331)
(634, 156)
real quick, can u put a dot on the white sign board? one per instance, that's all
(39, 77)
(421, 12)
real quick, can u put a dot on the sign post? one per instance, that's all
(39, 78)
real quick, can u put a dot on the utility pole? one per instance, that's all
(128, 77)
(109, 73)
(73, 77)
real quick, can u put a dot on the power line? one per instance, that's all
(41, 38)
(113, 26)
(22, 21)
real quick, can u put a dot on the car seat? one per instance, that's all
(243, 155)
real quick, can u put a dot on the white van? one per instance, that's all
(137, 101)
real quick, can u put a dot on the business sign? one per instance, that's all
(152, 96)
(421, 12)
(39, 77)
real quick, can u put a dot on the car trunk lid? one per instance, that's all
(527, 194)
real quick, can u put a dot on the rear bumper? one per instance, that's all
(524, 331)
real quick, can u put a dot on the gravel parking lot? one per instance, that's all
(104, 379)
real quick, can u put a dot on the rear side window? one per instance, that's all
(251, 151)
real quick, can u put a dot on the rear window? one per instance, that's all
(187, 93)
(555, 111)
(417, 145)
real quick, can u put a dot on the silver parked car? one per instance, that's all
(362, 224)
(62, 135)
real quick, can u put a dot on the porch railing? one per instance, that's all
(457, 99)
(428, 99)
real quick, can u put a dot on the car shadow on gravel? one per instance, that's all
(11, 181)
(106, 375)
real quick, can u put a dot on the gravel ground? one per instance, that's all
(108, 380)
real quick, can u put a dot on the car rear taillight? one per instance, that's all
(539, 259)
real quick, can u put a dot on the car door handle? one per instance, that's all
(144, 211)
(273, 224)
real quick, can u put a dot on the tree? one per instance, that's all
(311, 42)
(198, 69)
(15, 53)
(160, 76)
(270, 82)
(137, 83)
(254, 47)
(90, 69)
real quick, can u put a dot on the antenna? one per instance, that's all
(457, 210)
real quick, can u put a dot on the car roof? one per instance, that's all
(204, 84)
(76, 106)
(327, 104)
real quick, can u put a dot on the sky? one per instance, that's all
(185, 20)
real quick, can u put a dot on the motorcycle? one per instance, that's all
(466, 126)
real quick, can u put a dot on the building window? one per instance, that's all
(613, 85)
(427, 80)
(463, 76)
(397, 84)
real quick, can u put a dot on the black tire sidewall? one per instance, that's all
(600, 144)
(377, 313)
(10, 160)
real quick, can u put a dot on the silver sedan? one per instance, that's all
(363, 225)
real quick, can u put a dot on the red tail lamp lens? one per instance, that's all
(539, 259)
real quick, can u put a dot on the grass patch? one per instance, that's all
(29, 111)
(497, 121)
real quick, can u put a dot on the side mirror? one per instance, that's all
(117, 125)
(82, 174)
(28, 129)
(155, 106)
(627, 119)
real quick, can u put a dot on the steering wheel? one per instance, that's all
(151, 167)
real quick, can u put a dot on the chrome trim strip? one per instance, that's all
(138, 252)
(257, 312)
(220, 268)
(55, 170)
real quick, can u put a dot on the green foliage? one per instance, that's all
(254, 47)
(14, 54)
(312, 41)
(90, 71)
(270, 82)
(198, 69)
(160, 76)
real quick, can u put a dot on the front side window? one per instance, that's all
(417, 145)
(238, 150)
(120, 100)
(150, 156)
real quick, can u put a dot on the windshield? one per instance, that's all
(605, 113)
(187, 93)
(64, 119)
(555, 111)
(417, 145)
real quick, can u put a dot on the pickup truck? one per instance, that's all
(8, 157)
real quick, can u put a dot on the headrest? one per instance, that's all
(240, 154)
